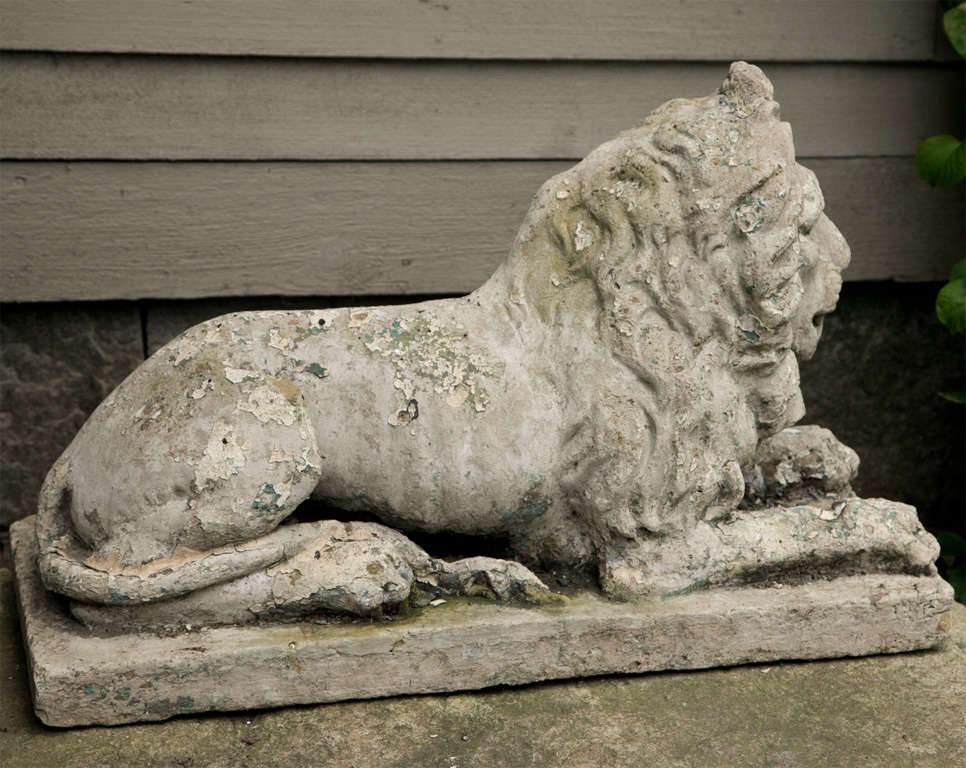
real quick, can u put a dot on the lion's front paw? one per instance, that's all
(622, 581)
(659, 568)
(801, 463)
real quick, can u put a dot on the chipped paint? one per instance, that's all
(279, 342)
(269, 404)
(428, 355)
(279, 456)
(182, 349)
(238, 375)
(303, 462)
(359, 318)
(272, 497)
(317, 370)
(583, 237)
(200, 391)
(223, 457)
(288, 389)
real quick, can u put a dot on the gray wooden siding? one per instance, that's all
(261, 121)
(228, 108)
(134, 230)
(696, 30)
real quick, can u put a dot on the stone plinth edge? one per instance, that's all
(79, 678)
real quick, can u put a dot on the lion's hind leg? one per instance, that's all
(328, 568)
(68, 565)
(137, 515)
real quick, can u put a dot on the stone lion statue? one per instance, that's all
(601, 403)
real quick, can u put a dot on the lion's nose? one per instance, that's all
(832, 243)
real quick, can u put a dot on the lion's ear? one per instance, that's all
(747, 86)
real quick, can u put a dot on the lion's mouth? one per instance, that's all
(807, 336)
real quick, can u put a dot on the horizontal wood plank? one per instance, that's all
(185, 230)
(700, 30)
(174, 107)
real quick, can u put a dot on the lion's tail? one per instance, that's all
(59, 563)
(64, 560)
(61, 560)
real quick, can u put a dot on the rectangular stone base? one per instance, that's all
(79, 678)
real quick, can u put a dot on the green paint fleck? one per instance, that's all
(695, 585)
(534, 504)
(267, 500)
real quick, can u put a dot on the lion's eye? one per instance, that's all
(805, 227)
(714, 242)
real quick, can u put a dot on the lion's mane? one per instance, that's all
(683, 239)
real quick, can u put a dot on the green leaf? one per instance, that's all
(958, 272)
(941, 160)
(954, 395)
(954, 22)
(951, 305)
(950, 543)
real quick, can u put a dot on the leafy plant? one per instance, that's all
(954, 22)
(941, 160)
(949, 302)
(951, 311)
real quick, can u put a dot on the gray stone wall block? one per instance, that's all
(57, 362)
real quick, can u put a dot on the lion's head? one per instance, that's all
(702, 245)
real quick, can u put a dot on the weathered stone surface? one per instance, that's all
(166, 319)
(57, 362)
(356, 569)
(81, 679)
(800, 465)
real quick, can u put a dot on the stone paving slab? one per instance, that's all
(898, 710)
